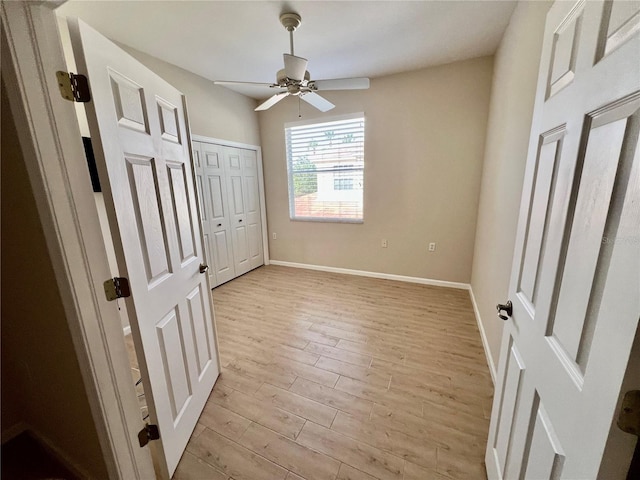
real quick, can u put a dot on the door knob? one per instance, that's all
(240, 220)
(219, 224)
(506, 308)
(203, 268)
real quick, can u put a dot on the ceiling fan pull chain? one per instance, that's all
(299, 114)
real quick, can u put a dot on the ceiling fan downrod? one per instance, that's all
(290, 21)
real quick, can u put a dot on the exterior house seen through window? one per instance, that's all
(325, 164)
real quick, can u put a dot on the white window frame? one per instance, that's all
(290, 172)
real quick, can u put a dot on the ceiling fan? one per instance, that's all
(294, 79)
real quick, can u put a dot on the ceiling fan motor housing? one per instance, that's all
(283, 80)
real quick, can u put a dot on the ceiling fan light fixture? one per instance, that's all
(295, 67)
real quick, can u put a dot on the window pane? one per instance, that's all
(326, 170)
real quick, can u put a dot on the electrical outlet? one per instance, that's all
(384, 243)
(275, 235)
(432, 247)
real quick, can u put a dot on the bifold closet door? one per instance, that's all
(216, 211)
(233, 160)
(252, 207)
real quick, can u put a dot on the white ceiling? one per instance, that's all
(244, 40)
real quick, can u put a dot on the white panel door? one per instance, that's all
(238, 217)
(575, 281)
(252, 207)
(217, 225)
(138, 127)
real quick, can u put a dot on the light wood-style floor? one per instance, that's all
(328, 376)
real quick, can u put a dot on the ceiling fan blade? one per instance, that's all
(295, 67)
(361, 83)
(271, 101)
(254, 84)
(317, 101)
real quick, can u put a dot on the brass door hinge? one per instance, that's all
(629, 417)
(73, 87)
(117, 287)
(149, 432)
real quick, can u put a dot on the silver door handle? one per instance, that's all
(203, 268)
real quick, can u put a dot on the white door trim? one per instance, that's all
(51, 143)
(263, 208)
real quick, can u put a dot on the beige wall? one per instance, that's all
(41, 381)
(513, 92)
(425, 133)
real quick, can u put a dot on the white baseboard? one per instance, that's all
(13, 431)
(126, 330)
(363, 273)
(483, 336)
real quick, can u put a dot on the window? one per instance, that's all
(325, 164)
(343, 183)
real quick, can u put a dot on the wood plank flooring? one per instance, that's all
(336, 377)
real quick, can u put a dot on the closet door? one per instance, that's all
(218, 218)
(239, 225)
(205, 209)
(252, 207)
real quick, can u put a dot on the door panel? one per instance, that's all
(223, 253)
(604, 168)
(566, 40)
(145, 201)
(129, 102)
(181, 210)
(238, 217)
(220, 224)
(575, 282)
(242, 253)
(173, 354)
(138, 127)
(620, 21)
(217, 224)
(205, 210)
(252, 206)
(236, 190)
(217, 197)
(511, 391)
(168, 115)
(200, 328)
(545, 457)
(546, 170)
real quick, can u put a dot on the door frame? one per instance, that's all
(50, 140)
(263, 208)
